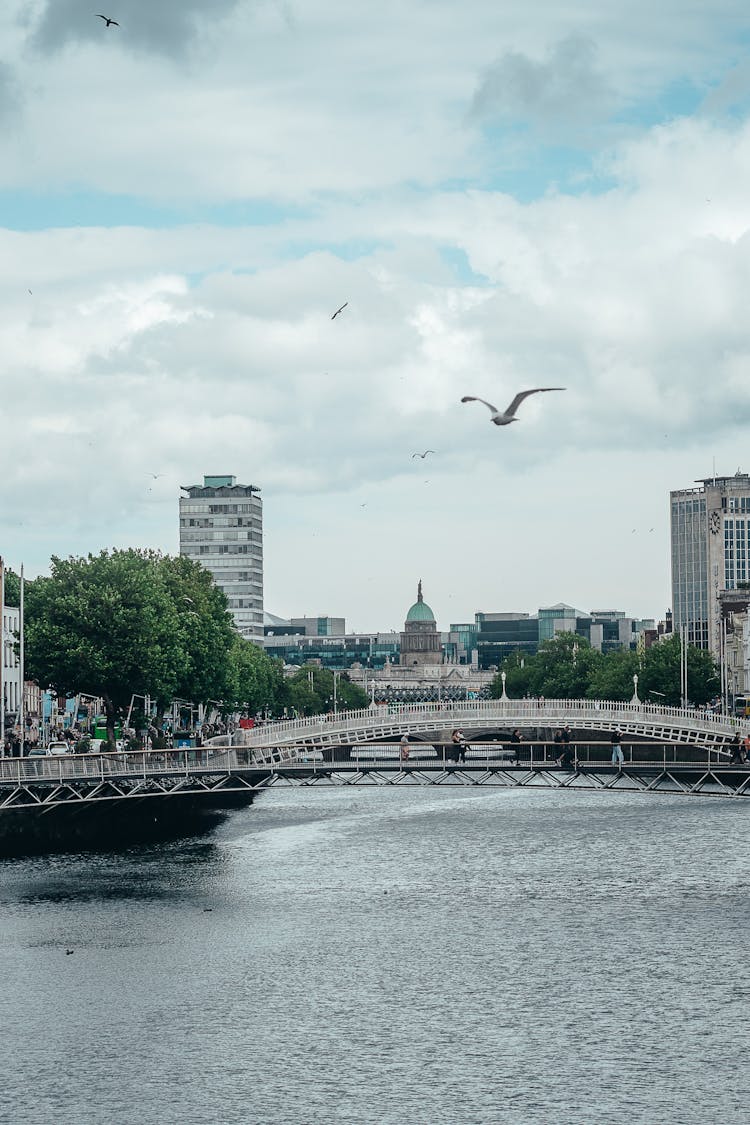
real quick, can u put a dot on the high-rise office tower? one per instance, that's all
(221, 526)
(710, 526)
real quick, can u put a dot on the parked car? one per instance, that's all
(52, 750)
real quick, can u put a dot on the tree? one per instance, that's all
(563, 667)
(107, 625)
(661, 673)
(517, 668)
(612, 675)
(310, 691)
(255, 680)
(206, 629)
(12, 591)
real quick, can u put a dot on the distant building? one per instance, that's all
(221, 527)
(420, 641)
(304, 626)
(710, 527)
(11, 670)
(498, 635)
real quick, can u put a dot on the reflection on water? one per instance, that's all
(400, 955)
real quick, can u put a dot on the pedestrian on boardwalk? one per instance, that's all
(404, 747)
(618, 758)
(516, 738)
(735, 747)
(558, 741)
(456, 740)
(566, 758)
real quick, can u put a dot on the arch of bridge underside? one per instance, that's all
(381, 723)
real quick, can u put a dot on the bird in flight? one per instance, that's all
(423, 455)
(155, 475)
(339, 310)
(505, 417)
(109, 22)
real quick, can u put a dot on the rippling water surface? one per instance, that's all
(400, 955)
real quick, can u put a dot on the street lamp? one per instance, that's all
(503, 697)
(372, 693)
(635, 698)
(335, 701)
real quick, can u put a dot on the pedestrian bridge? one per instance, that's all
(382, 722)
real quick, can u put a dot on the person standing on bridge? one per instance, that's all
(404, 747)
(618, 758)
(516, 739)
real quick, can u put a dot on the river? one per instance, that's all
(400, 955)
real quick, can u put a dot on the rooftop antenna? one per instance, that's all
(714, 472)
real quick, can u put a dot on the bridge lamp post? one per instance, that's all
(335, 698)
(504, 696)
(635, 698)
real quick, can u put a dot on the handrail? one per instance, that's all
(544, 712)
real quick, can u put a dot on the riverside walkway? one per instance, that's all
(220, 775)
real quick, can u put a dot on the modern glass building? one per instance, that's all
(221, 527)
(709, 541)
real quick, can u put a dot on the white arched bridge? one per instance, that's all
(383, 722)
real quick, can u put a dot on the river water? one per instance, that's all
(397, 955)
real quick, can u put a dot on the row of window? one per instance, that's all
(221, 537)
(203, 508)
(223, 521)
(223, 549)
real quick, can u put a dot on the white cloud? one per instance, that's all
(207, 348)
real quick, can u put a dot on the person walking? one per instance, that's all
(566, 758)
(456, 737)
(618, 758)
(404, 747)
(516, 739)
(558, 741)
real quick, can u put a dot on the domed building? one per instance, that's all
(420, 640)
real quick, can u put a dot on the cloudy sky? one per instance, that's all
(538, 193)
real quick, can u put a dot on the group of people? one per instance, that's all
(740, 750)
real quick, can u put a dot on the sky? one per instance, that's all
(507, 196)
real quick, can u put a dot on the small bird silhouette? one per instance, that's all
(109, 22)
(505, 417)
(31, 293)
(339, 310)
(155, 475)
(207, 909)
(423, 455)
(68, 952)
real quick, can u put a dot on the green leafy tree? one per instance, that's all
(310, 691)
(12, 591)
(563, 667)
(612, 675)
(517, 668)
(660, 673)
(108, 625)
(206, 630)
(255, 680)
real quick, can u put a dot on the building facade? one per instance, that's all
(420, 641)
(709, 548)
(11, 670)
(221, 527)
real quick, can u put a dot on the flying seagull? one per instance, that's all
(155, 475)
(503, 418)
(339, 310)
(107, 20)
(423, 455)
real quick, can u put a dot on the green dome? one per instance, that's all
(420, 611)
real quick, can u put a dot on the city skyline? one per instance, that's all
(537, 197)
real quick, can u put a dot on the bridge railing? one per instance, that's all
(541, 712)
